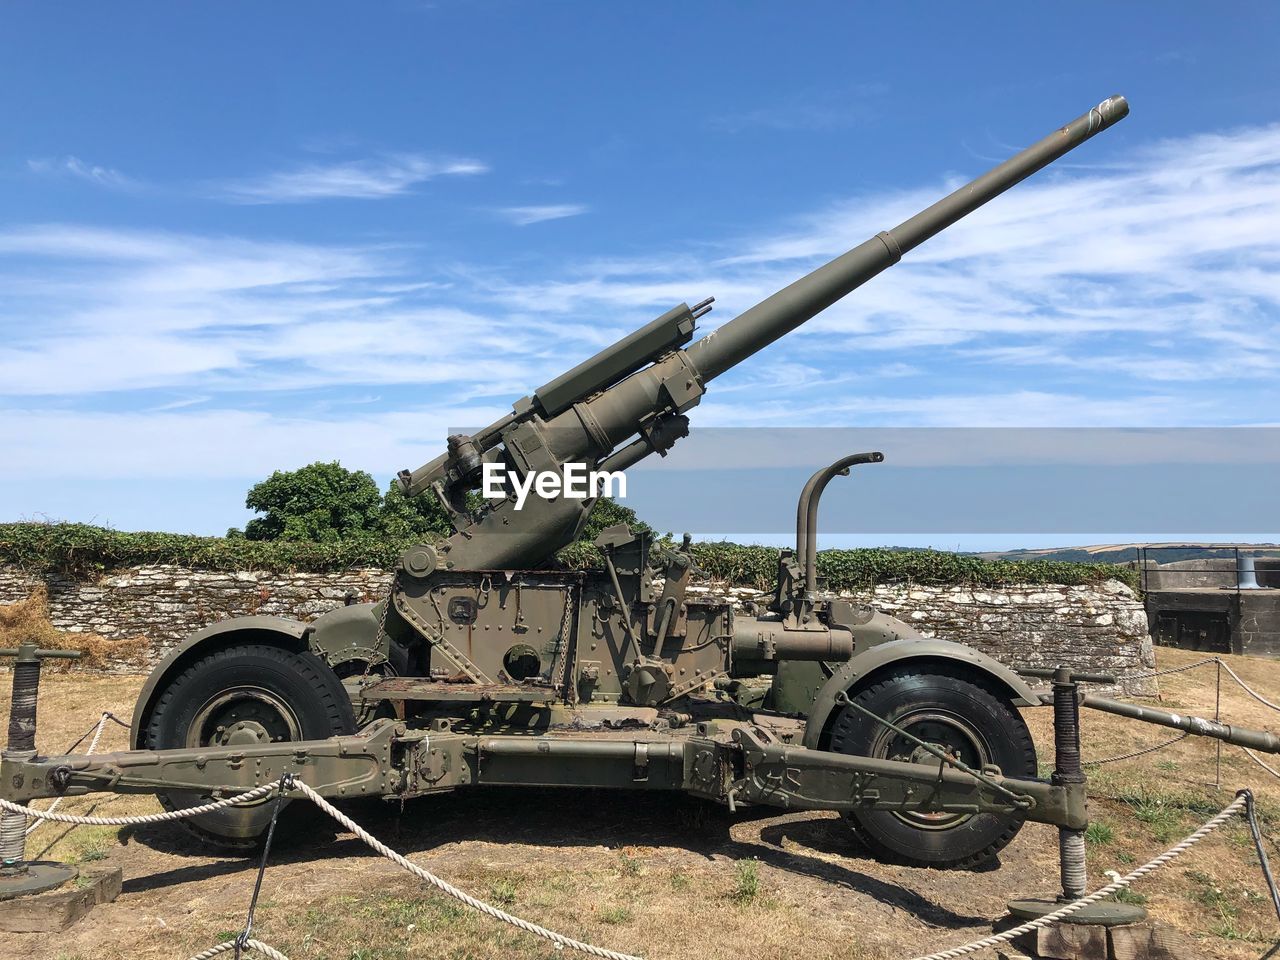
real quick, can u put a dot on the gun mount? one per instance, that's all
(485, 665)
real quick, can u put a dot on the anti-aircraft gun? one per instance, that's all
(486, 664)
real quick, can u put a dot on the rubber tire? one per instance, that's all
(998, 726)
(302, 680)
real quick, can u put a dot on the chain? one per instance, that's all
(562, 641)
(1138, 753)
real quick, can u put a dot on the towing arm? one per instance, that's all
(735, 763)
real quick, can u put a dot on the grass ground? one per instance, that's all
(657, 875)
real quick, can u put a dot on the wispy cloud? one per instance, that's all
(523, 216)
(76, 168)
(1163, 268)
(810, 110)
(373, 179)
(1146, 293)
(228, 314)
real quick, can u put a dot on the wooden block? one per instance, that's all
(56, 910)
(1151, 941)
(107, 883)
(1072, 941)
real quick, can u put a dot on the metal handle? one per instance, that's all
(30, 650)
(1052, 673)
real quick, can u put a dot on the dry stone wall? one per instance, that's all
(1100, 627)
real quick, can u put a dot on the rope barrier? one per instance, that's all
(1243, 801)
(1200, 663)
(256, 945)
(250, 796)
(558, 939)
(1259, 761)
(1150, 674)
(1246, 688)
(1230, 810)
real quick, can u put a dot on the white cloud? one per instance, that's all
(1145, 293)
(1163, 268)
(130, 310)
(221, 442)
(70, 166)
(523, 216)
(358, 179)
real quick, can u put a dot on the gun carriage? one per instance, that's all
(487, 666)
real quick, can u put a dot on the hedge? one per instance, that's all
(81, 550)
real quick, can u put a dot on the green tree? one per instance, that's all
(321, 502)
(405, 518)
(327, 503)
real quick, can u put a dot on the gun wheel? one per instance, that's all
(964, 718)
(244, 695)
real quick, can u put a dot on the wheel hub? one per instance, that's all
(945, 733)
(245, 732)
(243, 716)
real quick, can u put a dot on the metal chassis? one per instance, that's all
(729, 762)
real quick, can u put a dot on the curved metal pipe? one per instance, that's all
(807, 512)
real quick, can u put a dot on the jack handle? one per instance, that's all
(29, 651)
(1065, 675)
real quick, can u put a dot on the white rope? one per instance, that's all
(1248, 689)
(266, 790)
(1258, 760)
(558, 939)
(93, 745)
(1172, 853)
(1168, 670)
(256, 945)
(1200, 663)
(249, 797)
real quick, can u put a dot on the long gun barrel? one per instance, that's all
(644, 384)
(619, 411)
(810, 295)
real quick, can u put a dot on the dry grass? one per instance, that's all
(1144, 805)
(27, 621)
(630, 873)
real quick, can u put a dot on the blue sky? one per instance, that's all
(241, 237)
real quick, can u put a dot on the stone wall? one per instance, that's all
(1100, 628)
(167, 603)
